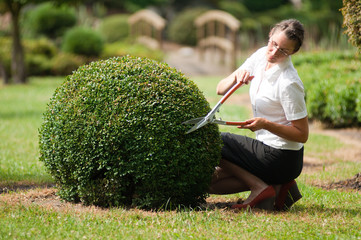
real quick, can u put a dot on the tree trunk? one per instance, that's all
(18, 70)
(4, 74)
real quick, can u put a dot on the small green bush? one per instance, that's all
(83, 41)
(113, 135)
(50, 20)
(115, 28)
(182, 29)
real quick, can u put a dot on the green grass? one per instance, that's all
(320, 214)
(21, 111)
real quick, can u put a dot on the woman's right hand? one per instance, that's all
(240, 75)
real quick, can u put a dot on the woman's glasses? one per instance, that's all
(277, 48)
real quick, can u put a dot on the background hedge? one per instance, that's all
(83, 41)
(333, 86)
(112, 135)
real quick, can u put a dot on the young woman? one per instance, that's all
(267, 165)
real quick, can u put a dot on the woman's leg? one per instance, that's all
(245, 179)
(223, 182)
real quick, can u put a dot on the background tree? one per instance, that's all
(18, 69)
(352, 21)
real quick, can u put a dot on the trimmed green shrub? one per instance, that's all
(182, 29)
(115, 28)
(50, 20)
(352, 21)
(113, 135)
(83, 41)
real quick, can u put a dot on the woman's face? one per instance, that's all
(279, 47)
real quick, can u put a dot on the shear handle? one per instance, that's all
(233, 89)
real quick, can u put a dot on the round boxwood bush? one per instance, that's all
(50, 20)
(113, 135)
(83, 41)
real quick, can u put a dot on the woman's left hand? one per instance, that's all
(253, 124)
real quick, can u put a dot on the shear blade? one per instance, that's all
(197, 125)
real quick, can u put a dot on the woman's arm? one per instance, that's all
(297, 132)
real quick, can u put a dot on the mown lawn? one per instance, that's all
(320, 214)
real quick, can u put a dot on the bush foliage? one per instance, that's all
(112, 135)
(352, 21)
(50, 20)
(83, 41)
(333, 88)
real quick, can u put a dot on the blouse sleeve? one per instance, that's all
(293, 100)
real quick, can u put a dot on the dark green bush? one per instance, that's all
(182, 29)
(237, 9)
(112, 135)
(83, 41)
(50, 20)
(115, 28)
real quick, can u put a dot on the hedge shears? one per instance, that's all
(210, 117)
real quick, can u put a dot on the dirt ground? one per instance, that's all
(186, 60)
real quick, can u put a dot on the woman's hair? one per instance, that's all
(293, 29)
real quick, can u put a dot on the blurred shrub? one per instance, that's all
(332, 88)
(41, 46)
(341, 105)
(114, 28)
(37, 65)
(352, 21)
(261, 5)
(237, 9)
(182, 29)
(38, 55)
(65, 63)
(83, 41)
(50, 20)
(119, 49)
(112, 136)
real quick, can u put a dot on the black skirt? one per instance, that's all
(273, 166)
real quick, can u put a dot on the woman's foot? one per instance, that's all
(264, 200)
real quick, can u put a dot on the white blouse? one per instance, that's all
(277, 95)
